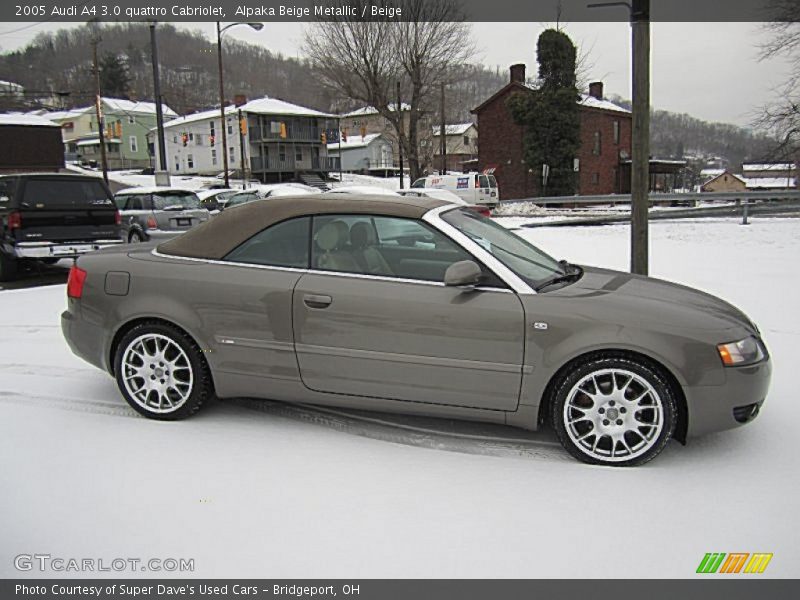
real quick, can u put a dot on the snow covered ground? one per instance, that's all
(285, 492)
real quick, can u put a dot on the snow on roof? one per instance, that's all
(711, 172)
(355, 141)
(768, 167)
(719, 174)
(10, 85)
(780, 183)
(131, 106)
(25, 119)
(592, 102)
(456, 129)
(96, 141)
(199, 116)
(63, 115)
(274, 106)
(371, 110)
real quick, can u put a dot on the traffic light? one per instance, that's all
(363, 132)
(185, 138)
(283, 130)
(243, 126)
(118, 129)
(212, 140)
(323, 137)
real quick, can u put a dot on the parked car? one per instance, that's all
(447, 196)
(361, 190)
(158, 212)
(49, 216)
(475, 188)
(215, 199)
(276, 190)
(317, 301)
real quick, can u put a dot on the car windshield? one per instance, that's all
(175, 200)
(241, 198)
(526, 260)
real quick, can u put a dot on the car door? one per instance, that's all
(373, 318)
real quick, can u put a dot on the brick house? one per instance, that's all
(605, 142)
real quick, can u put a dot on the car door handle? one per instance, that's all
(315, 301)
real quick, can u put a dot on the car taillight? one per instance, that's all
(117, 218)
(477, 182)
(14, 220)
(75, 281)
(151, 222)
(485, 211)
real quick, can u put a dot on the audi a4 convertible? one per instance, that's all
(415, 306)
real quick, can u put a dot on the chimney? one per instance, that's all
(239, 99)
(596, 90)
(518, 73)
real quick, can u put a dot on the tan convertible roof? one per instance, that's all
(217, 237)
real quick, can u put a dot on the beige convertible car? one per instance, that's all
(416, 306)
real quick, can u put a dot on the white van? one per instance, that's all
(474, 188)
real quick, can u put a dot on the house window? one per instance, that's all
(466, 140)
(190, 161)
(131, 119)
(174, 139)
(597, 148)
(595, 178)
(199, 140)
(191, 137)
(616, 132)
(134, 144)
(177, 164)
(213, 156)
(282, 153)
(230, 129)
(232, 154)
(298, 154)
(211, 127)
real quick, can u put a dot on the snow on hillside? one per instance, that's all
(294, 492)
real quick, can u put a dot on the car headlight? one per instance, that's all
(744, 352)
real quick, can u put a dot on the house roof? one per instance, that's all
(770, 183)
(132, 106)
(355, 141)
(199, 116)
(586, 100)
(776, 166)
(371, 110)
(25, 119)
(453, 129)
(274, 106)
(725, 172)
(95, 141)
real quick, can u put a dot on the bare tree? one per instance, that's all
(363, 61)
(781, 118)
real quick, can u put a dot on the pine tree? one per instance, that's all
(115, 80)
(550, 115)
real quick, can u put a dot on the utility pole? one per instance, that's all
(339, 125)
(442, 133)
(162, 149)
(400, 133)
(241, 150)
(222, 108)
(640, 146)
(98, 107)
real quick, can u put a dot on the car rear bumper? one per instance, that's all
(732, 404)
(60, 249)
(164, 234)
(84, 339)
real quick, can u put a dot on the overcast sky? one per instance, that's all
(709, 70)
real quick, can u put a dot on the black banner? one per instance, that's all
(538, 11)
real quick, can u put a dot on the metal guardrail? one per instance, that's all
(662, 198)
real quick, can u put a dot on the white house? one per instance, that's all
(461, 145)
(368, 154)
(282, 141)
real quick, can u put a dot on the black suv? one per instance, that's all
(48, 216)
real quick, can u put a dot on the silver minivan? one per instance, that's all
(158, 212)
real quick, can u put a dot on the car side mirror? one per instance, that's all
(465, 273)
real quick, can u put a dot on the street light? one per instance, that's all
(220, 31)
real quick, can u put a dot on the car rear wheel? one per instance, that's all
(614, 411)
(161, 372)
(135, 238)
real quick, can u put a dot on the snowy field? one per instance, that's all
(285, 492)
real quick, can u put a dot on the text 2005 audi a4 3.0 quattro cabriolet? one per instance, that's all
(413, 306)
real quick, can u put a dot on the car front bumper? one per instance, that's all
(61, 249)
(732, 404)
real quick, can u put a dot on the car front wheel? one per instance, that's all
(135, 238)
(161, 372)
(614, 411)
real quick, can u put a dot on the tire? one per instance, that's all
(161, 372)
(135, 238)
(8, 267)
(614, 410)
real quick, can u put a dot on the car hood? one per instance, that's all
(649, 300)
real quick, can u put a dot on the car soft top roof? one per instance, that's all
(217, 237)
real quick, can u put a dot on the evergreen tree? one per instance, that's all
(115, 80)
(550, 115)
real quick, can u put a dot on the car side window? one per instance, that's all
(284, 244)
(384, 246)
